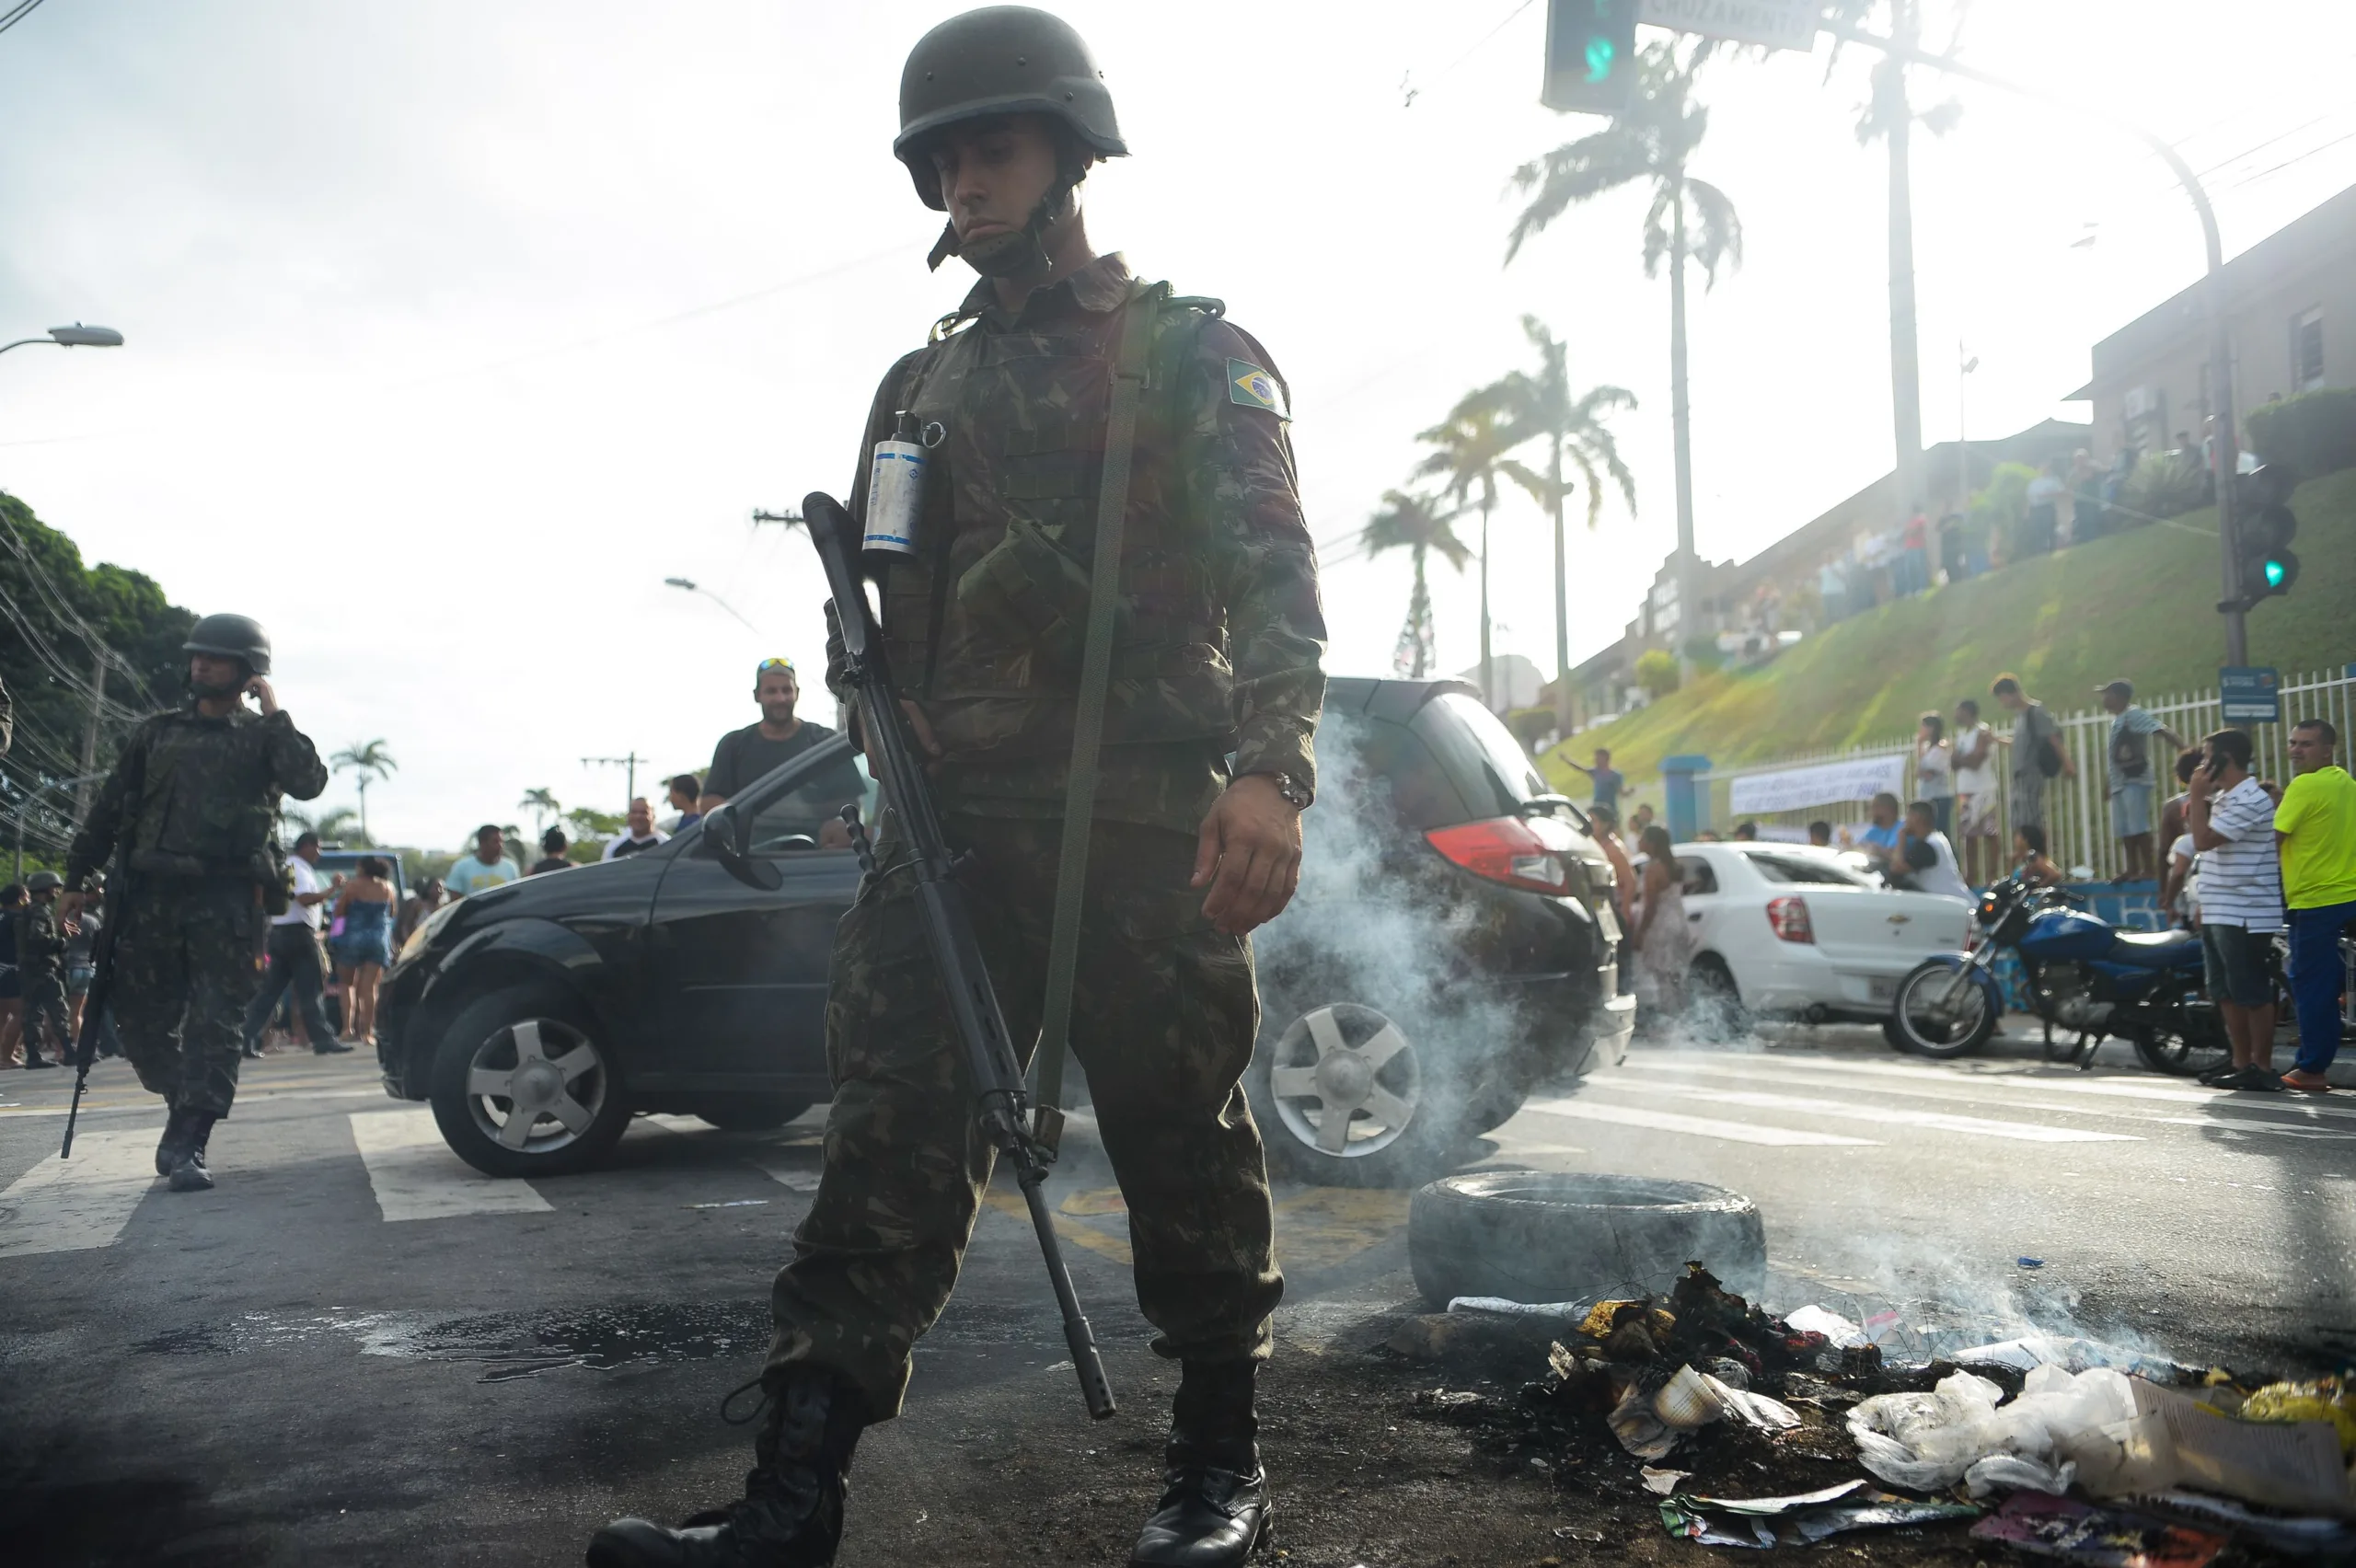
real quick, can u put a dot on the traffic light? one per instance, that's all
(2264, 527)
(1590, 55)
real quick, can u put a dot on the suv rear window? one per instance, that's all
(1390, 758)
(1809, 869)
(1491, 771)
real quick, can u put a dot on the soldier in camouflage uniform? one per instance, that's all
(41, 950)
(1217, 657)
(190, 805)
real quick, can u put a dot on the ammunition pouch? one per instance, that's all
(1030, 590)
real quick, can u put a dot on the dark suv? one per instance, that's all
(1451, 946)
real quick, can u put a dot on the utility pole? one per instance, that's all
(2216, 302)
(630, 762)
(1905, 358)
(90, 731)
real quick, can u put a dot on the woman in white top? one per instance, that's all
(1935, 769)
(1973, 754)
(1663, 940)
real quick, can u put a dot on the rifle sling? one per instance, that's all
(1088, 723)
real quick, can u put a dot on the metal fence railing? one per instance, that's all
(2077, 811)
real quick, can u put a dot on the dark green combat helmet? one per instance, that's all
(1003, 60)
(232, 637)
(41, 881)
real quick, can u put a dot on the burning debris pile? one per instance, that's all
(1705, 1400)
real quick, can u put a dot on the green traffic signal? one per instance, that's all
(2277, 571)
(1599, 55)
(2264, 526)
(1590, 55)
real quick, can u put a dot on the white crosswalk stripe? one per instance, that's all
(2280, 1114)
(1585, 1110)
(1994, 1079)
(416, 1176)
(1886, 1115)
(73, 1205)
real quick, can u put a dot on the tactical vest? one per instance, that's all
(984, 624)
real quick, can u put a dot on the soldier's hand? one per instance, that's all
(1249, 853)
(258, 689)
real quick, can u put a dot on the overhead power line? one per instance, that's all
(19, 13)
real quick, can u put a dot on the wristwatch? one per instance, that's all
(1297, 794)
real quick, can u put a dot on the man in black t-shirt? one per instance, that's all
(744, 756)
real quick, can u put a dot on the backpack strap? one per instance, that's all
(1144, 302)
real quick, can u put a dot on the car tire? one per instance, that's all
(1406, 1114)
(578, 1106)
(753, 1112)
(1925, 1036)
(1714, 1009)
(1541, 1236)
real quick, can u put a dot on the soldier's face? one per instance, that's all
(994, 173)
(210, 674)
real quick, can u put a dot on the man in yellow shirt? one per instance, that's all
(2314, 828)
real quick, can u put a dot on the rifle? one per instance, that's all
(94, 1005)
(1001, 1103)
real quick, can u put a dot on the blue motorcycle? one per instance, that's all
(2083, 975)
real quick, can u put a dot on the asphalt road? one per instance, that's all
(358, 1352)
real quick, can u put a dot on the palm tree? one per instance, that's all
(543, 804)
(337, 824)
(1652, 143)
(1417, 524)
(1544, 407)
(371, 760)
(1473, 443)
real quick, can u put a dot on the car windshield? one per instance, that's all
(824, 781)
(1814, 870)
(1495, 774)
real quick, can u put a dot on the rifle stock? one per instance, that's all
(1002, 1103)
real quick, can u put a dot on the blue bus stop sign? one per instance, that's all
(2250, 694)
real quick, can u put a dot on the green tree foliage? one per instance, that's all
(2165, 484)
(1420, 525)
(2000, 511)
(1657, 672)
(64, 617)
(2311, 434)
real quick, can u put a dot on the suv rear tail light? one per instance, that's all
(1512, 851)
(1788, 915)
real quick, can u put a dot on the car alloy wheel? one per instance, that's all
(1346, 1081)
(536, 1086)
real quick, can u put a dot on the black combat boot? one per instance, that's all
(189, 1174)
(792, 1513)
(173, 1144)
(1215, 1509)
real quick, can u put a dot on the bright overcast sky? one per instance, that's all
(455, 328)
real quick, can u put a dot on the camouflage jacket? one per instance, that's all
(1220, 632)
(206, 792)
(40, 942)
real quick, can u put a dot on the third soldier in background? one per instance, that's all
(190, 805)
(40, 958)
(1196, 835)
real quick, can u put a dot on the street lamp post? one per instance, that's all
(74, 336)
(692, 587)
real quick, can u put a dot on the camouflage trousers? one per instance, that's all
(1162, 1020)
(46, 1014)
(186, 968)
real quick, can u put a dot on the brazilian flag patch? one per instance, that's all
(1255, 389)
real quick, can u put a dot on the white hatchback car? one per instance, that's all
(1793, 930)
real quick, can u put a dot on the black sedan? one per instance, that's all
(1452, 947)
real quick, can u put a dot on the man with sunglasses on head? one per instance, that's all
(746, 754)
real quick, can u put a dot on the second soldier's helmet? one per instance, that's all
(41, 881)
(1000, 60)
(232, 637)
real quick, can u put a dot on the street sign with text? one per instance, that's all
(1778, 24)
(2249, 693)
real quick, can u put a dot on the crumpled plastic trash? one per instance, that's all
(1927, 1442)
(2010, 1473)
(1842, 1333)
(2323, 1399)
(2073, 1356)
(1649, 1428)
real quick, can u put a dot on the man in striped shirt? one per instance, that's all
(2231, 819)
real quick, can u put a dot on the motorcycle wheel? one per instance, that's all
(2172, 1049)
(1914, 1022)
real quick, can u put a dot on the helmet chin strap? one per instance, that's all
(1010, 254)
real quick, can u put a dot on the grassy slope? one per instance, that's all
(2138, 604)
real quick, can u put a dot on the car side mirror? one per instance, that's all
(729, 835)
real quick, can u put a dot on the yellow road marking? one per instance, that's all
(1095, 1241)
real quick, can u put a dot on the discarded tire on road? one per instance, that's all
(1544, 1236)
